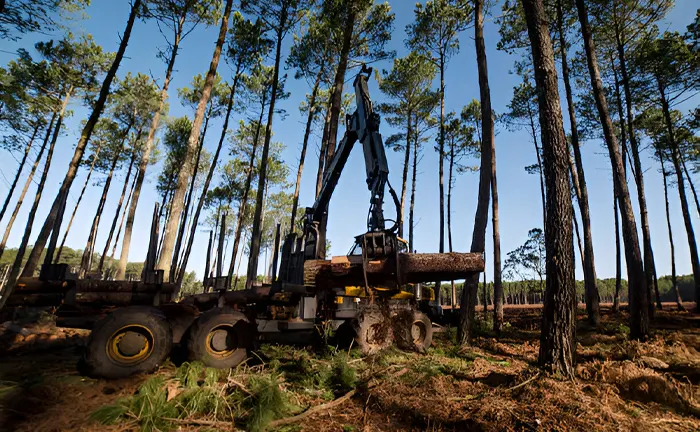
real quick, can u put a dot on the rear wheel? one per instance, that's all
(220, 338)
(412, 330)
(128, 341)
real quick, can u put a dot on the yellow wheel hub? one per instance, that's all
(130, 344)
(221, 341)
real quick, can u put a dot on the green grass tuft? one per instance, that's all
(267, 402)
(110, 414)
(343, 377)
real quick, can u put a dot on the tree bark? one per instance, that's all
(675, 158)
(324, 146)
(182, 223)
(649, 265)
(336, 102)
(449, 197)
(77, 204)
(207, 182)
(27, 183)
(589, 273)
(690, 183)
(413, 193)
(123, 218)
(304, 146)
(110, 233)
(171, 228)
(471, 284)
(80, 147)
(539, 163)
(495, 226)
(557, 341)
(674, 281)
(618, 255)
(146, 153)
(256, 233)
(404, 179)
(19, 171)
(638, 294)
(242, 207)
(88, 252)
(441, 169)
(17, 264)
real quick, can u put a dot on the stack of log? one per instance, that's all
(35, 292)
(411, 268)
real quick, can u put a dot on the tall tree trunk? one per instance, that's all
(324, 145)
(674, 281)
(639, 296)
(690, 182)
(27, 183)
(413, 193)
(676, 159)
(182, 223)
(304, 146)
(557, 342)
(255, 238)
(441, 171)
(17, 264)
(533, 130)
(123, 218)
(589, 273)
(649, 265)
(110, 233)
(404, 179)
(186, 170)
(146, 153)
(336, 102)
(207, 182)
(88, 252)
(471, 285)
(618, 255)
(80, 147)
(77, 204)
(623, 145)
(497, 278)
(242, 208)
(19, 170)
(449, 197)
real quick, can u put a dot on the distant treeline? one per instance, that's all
(530, 291)
(72, 257)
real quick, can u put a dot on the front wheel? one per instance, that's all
(220, 338)
(128, 341)
(373, 332)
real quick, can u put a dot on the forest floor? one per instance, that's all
(492, 386)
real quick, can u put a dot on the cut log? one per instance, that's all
(34, 299)
(411, 268)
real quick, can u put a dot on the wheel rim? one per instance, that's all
(418, 332)
(130, 344)
(222, 341)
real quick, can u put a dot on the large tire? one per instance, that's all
(424, 339)
(128, 341)
(220, 338)
(373, 332)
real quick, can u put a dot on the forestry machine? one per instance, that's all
(371, 296)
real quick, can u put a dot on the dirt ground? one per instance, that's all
(493, 386)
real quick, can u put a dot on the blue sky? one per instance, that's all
(519, 192)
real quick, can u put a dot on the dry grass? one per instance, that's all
(492, 386)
